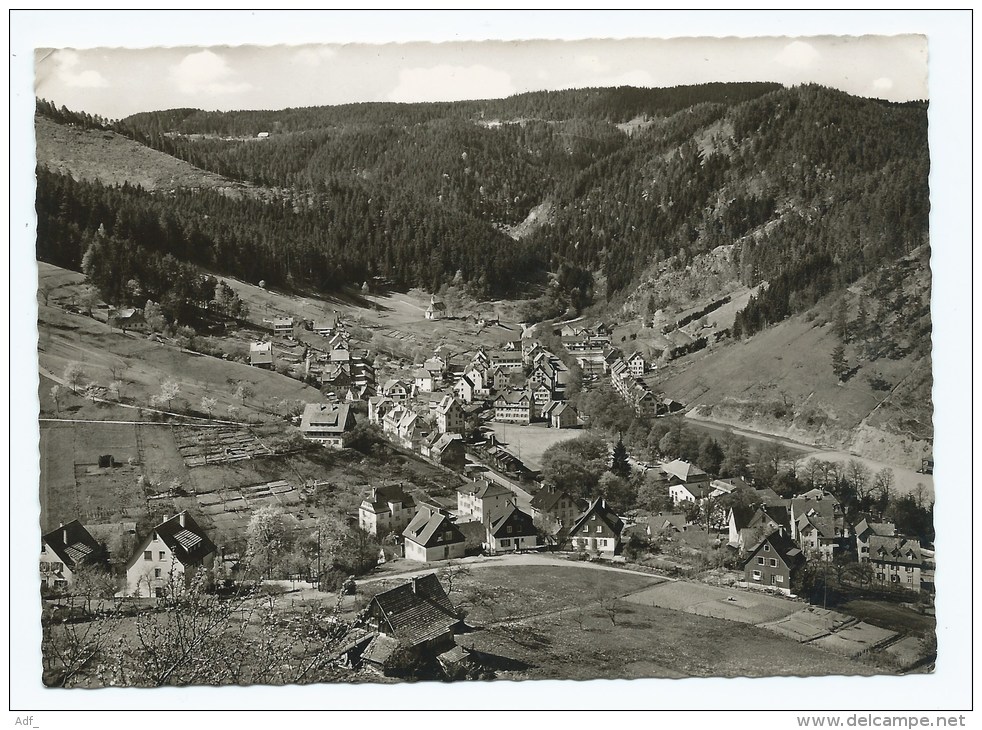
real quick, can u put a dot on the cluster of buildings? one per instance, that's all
(173, 553)
(778, 535)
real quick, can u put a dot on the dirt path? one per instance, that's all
(906, 480)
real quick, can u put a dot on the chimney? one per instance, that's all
(181, 518)
(415, 582)
(64, 536)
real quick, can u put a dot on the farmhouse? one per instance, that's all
(414, 621)
(126, 318)
(63, 552)
(327, 424)
(386, 509)
(261, 355)
(510, 529)
(865, 529)
(432, 536)
(598, 529)
(637, 365)
(169, 558)
(772, 563)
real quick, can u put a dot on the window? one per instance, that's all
(910, 568)
(767, 548)
(910, 579)
(773, 562)
(508, 529)
(156, 572)
(505, 542)
(448, 535)
(760, 561)
(779, 578)
(163, 555)
(756, 575)
(147, 555)
(599, 529)
(773, 579)
(894, 578)
(44, 548)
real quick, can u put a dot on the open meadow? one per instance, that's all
(530, 442)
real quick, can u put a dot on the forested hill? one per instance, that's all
(815, 188)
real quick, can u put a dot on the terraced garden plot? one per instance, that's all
(855, 639)
(809, 624)
(202, 446)
(704, 600)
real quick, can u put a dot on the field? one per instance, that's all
(548, 622)
(530, 442)
(704, 600)
(113, 159)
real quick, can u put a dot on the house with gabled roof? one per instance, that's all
(772, 563)
(552, 503)
(64, 551)
(413, 621)
(896, 561)
(482, 497)
(387, 509)
(749, 524)
(515, 407)
(510, 529)
(422, 380)
(448, 450)
(396, 389)
(598, 529)
(636, 364)
(560, 414)
(261, 355)
(817, 522)
(449, 415)
(865, 529)
(431, 535)
(327, 424)
(169, 558)
(437, 309)
(282, 326)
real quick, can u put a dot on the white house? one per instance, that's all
(63, 552)
(327, 424)
(437, 309)
(449, 416)
(386, 509)
(481, 498)
(169, 558)
(432, 536)
(510, 529)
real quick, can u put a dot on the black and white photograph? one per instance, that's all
(455, 364)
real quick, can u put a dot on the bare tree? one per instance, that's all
(608, 603)
(73, 375)
(452, 575)
(56, 396)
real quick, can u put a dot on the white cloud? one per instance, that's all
(798, 54)
(883, 84)
(70, 75)
(314, 56)
(206, 72)
(451, 83)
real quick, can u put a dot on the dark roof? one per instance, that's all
(510, 515)
(378, 500)
(899, 549)
(482, 488)
(326, 417)
(416, 611)
(599, 507)
(187, 541)
(784, 547)
(547, 498)
(380, 650)
(426, 528)
(742, 515)
(72, 543)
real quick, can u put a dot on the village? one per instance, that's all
(722, 547)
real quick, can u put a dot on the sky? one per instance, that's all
(116, 82)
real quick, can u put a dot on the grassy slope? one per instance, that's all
(113, 159)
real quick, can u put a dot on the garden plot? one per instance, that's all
(201, 446)
(704, 600)
(856, 639)
(108, 494)
(909, 651)
(810, 624)
(248, 499)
